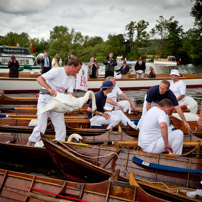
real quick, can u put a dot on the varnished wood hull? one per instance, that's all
(91, 170)
(15, 187)
(80, 168)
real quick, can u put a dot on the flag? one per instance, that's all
(31, 50)
(82, 78)
(156, 56)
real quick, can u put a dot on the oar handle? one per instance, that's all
(44, 91)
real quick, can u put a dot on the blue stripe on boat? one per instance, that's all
(163, 167)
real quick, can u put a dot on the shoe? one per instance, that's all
(193, 194)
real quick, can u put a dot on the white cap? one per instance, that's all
(175, 72)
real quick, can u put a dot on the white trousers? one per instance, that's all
(116, 117)
(140, 75)
(57, 120)
(124, 103)
(144, 111)
(191, 104)
(118, 76)
(175, 139)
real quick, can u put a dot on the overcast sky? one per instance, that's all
(92, 18)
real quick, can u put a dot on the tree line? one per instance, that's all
(167, 37)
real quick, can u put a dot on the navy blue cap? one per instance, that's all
(124, 62)
(107, 84)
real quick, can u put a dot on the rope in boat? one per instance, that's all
(176, 190)
(96, 157)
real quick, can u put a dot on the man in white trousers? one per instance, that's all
(55, 80)
(104, 117)
(178, 87)
(124, 105)
(155, 136)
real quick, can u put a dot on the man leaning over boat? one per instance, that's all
(157, 93)
(155, 135)
(56, 80)
(107, 117)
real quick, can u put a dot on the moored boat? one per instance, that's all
(25, 84)
(26, 60)
(170, 60)
(23, 187)
(96, 164)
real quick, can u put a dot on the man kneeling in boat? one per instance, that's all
(111, 102)
(178, 87)
(155, 135)
(107, 117)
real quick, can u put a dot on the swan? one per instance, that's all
(74, 135)
(65, 103)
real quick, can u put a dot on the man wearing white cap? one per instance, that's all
(107, 117)
(178, 87)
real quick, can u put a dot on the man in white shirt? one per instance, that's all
(111, 102)
(155, 136)
(55, 80)
(178, 87)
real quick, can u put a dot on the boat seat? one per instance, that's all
(125, 76)
(33, 123)
(188, 116)
(96, 125)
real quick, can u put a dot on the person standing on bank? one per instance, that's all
(45, 63)
(110, 63)
(93, 68)
(57, 61)
(140, 69)
(13, 67)
(55, 80)
(72, 55)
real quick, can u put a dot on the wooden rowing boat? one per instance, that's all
(27, 85)
(93, 164)
(23, 187)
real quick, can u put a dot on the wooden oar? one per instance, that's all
(133, 143)
(34, 109)
(16, 108)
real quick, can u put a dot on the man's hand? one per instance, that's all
(169, 147)
(52, 92)
(120, 107)
(106, 116)
(186, 124)
(133, 106)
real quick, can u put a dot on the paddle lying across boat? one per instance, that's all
(23, 187)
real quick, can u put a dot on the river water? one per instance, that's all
(49, 169)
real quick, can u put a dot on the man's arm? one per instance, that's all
(164, 133)
(180, 112)
(105, 115)
(200, 118)
(125, 97)
(110, 101)
(148, 105)
(43, 83)
(180, 97)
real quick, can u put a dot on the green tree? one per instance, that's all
(196, 12)
(142, 37)
(130, 28)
